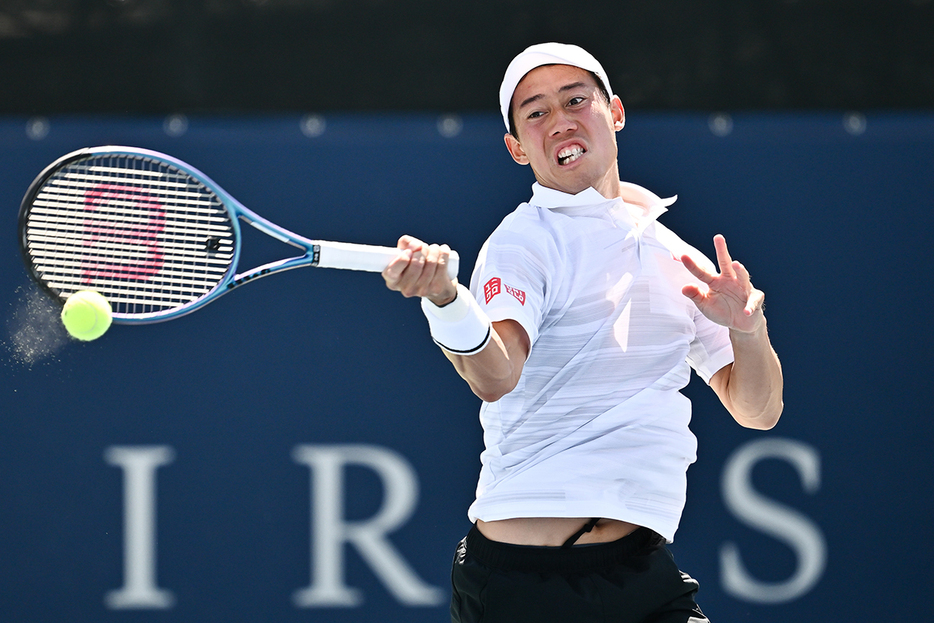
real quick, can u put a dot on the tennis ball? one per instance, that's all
(87, 315)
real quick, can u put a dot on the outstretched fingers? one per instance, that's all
(755, 298)
(693, 292)
(698, 271)
(723, 256)
(755, 302)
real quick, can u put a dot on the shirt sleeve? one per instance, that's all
(511, 276)
(711, 348)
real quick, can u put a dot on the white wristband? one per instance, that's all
(460, 327)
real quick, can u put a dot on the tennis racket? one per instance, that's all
(155, 236)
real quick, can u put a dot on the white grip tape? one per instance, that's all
(349, 256)
(460, 327)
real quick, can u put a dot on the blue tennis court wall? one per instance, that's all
(300, 451)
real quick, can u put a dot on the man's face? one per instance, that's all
(566, 130)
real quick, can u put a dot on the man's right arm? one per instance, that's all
(491, 372)
(494, 371)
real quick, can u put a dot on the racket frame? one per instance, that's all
(336, 254)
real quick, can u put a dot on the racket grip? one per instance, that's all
(370, 258)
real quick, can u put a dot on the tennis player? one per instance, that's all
(583, 320)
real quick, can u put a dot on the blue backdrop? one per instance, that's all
(300, 451)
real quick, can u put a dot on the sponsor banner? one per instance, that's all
(300, 450)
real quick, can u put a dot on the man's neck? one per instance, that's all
(609, 185)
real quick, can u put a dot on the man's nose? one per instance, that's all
(561, 122)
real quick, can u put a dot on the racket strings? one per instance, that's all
(143, 233)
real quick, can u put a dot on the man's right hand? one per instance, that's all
(421, 270)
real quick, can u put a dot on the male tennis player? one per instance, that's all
(584, 318)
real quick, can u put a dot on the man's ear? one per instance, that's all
(618, 112)
(515, 149)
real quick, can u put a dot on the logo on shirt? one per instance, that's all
(519, 294)
(495, 286)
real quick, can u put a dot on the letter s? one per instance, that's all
(775, 519)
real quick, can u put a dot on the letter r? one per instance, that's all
(330, 530)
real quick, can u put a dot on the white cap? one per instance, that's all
(546, 54)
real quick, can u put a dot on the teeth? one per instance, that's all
(570, 154)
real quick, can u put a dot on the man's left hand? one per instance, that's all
(729, 299)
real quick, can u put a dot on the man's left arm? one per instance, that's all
(751, 387)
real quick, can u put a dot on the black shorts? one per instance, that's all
(632, 580)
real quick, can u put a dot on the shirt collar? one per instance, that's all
(550, 198)
(642, 205)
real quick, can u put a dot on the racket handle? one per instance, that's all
(349, 256)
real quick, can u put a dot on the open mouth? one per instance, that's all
(570, 154)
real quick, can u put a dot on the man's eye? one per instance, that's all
(575, 101)
(535, 114)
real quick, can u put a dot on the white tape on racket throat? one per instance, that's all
(460, 327)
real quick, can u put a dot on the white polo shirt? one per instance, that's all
(597, 426)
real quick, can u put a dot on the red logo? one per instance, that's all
(495, 285)
(491, 289)
(519, 294)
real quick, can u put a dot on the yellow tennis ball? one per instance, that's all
(87, 315)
